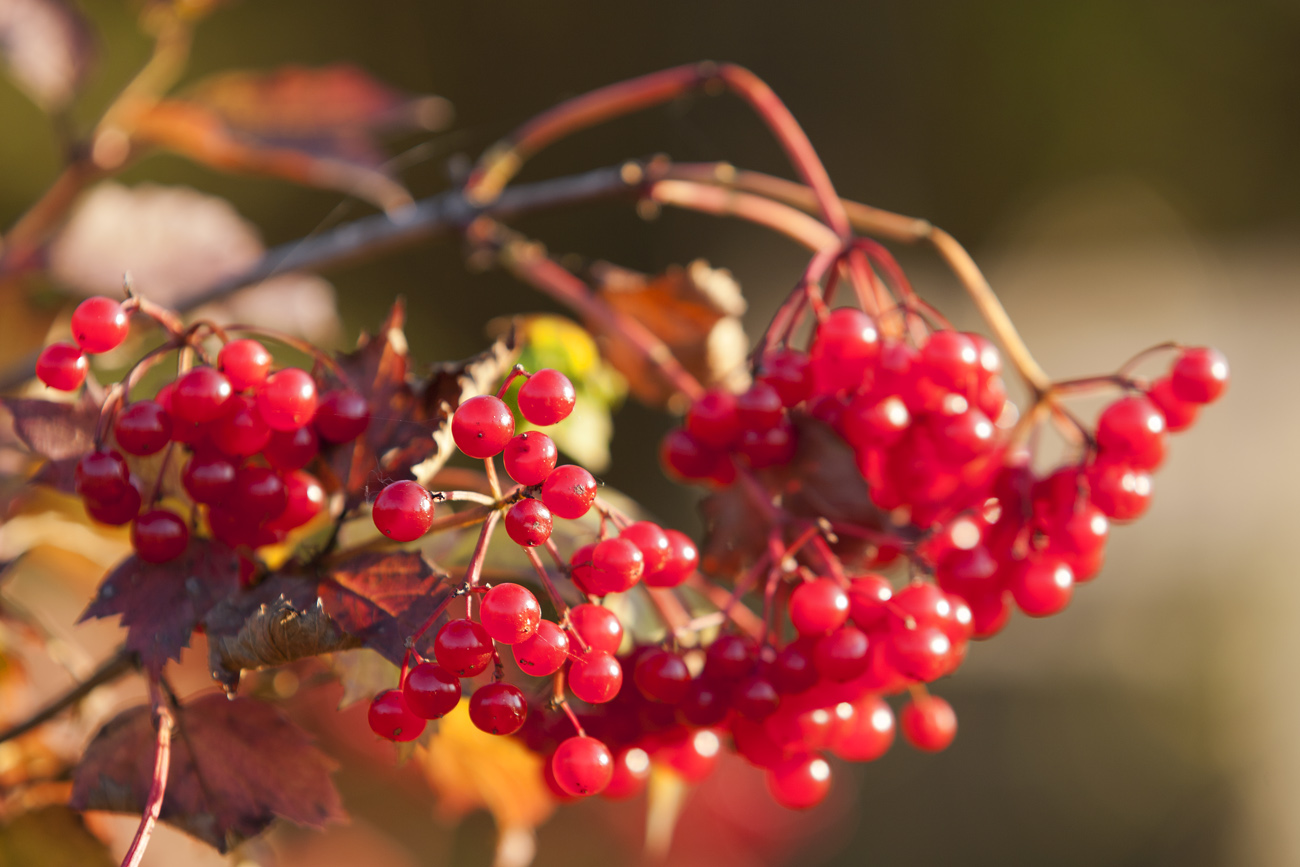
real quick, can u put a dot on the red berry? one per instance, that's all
(706, 703)
(868, 733)
(99, 324)
(963, 437)
(259, 494)
(685, 457)
(245, 363)
(967, 572)
(62, 366)
(651, 540)
(1042, 585)
(569, 491)
(546, 398)
(929, 723)
(1121, 492)
(788, 372)
(463, 647)
(989, 613)
(200, 396)
(841, 656)
(631, 770)
(769, 447)
(238, 528)
(159, 536)
(543, 652)
(580, 567)
(682, 560)
(759, 407)
(819, 606)
(291, 450)
(287, 399)
(305, 498)
(662, 676)
(616, 565)
(529, 457)
(598, 627)
(431, 691)
(729, 657)
(713, 419)
(582, 766)
(1200, 375)
(756, 698)
(102, 476)
(118, 512)
(142, 428)
(210, 479)
(481, 426)
(867, 597)
(793, 671)
(921, 652)
(951, 361)
(390, 718)
(510, 613)
(403, 511)
(342, 416)
(595, 677)
(1179, 414)
(844, 348)
(498, 708)
(869, 421)
(528, 523)
(1132, 430)
(240, 432)
(800, 783)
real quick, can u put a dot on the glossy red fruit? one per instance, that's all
(714, 420)
(200, 396)
(142, 428)
(692, 754)
(1119, 491)
(510, 613)
(1200, 375)
(582, 766)
(921, 653)
(682, 560)
(102, 476)
(662, 676)
(867, 734)
(210, 479)
(868, 595)
(759, 407)
(569, 491)
(706, 703)
(844, 348)
(580, 567)
(793, 671)
(121, 511)
(787, 370)
(769, 447)
(245, 363)
(1132, 431)
(287, 399)
(929, 723)
(819, 606)
(1042, 585)
(968, 572)
(544, 652)
(463, 647)
(343, 415)
(1179, 414)
(529, 457)
(951, 361)
(403, 511)
(528, 523)
(259, 494)
(304, 500)
(595, 677)
(159, 535)
(431, 691)
(291, 450)
(841, 656)
(800, 783)
(730, 657)
(546, 398)
(241, 431)
(989, 613)
(868, 421)
(99, 324)
(755, 698)
(651, 540)
(685, 457)
(631, 771)
(616, 566)
(963, 437)
(481, 426)
(62, 366)
(391, 719)
(597, 626)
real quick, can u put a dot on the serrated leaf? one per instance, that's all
(51, 837)
(48, 48)
(236, 765)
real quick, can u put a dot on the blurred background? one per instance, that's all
(1124, 172)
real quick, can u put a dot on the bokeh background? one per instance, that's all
(1125, 173)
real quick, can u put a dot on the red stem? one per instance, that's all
(561, 607)
(158, 785)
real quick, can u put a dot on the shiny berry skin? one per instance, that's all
(580, 567)
(929, 723)
(287, 400)
(528, 523)
(1119, 491)
(62, 366)
(1200, 375)
(510, 613)
(818, 606)
(102, 476)
(787, 371)
(951, 361)
(868, 733)
(342, 416)
(546, 398)
(768, 447)
(705, 704)
(755, 698)
(159, 535)
(1042, 585)
(245, 363)
(569, 491)
(631, 770)
(240, 432)
(1179, 414)
(498, 708)
(118, 512)
(841, 656)
(597, 626)
(544, 652)
(965, 436)
(291, 450)
(682, 560)
(200, 396)
(304, 500)
(651, 540)
(99, 324)
(142, 428)
(871, 422)
(685, 457)
(529, 457)
(759, 407)
(922, 653)
(662, 676)
(616, 566)
(391, 719)
(867, 597)
(595, 677)
(793, 671)
(800, 783)
(481, 426)
(582, 766)
(463, 647)
(403, 511)
(1132, 430)
(210, 479)
(843, 350)
(259, 494)
(730, 657)
(714, 420)
(989, 613)
(431, 691)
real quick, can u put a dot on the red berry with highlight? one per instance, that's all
(291, 450)
(245, 363)
(259, 494)
(463, 647)
(62, 366)
(142, 428)
(498, 708)
(582, 766)
(662, 676)
(1042, 585)
(714, 420)
(118, 512)
(510, 613)
(529, 457)
(595, 677)
(200, 396)
(1200, 375)
(845, 346)
(304, 500)
(431, 691)
(342, 416)
(287, 400)
(481, 426)
(651, 540)
(868, 733)
(597, 626)
(616, 565)
(569, 491)
(730, 657)
(528, 523)
(403, 511)
(1179, 414)
(99, 324)
(682, 560)
(159, 536)
(210, 479)
(544, 652)
(929, 723)
(241, 431)
(800, 783)
(546, 398)
(102, 476)
(391, 719)
(818, 606)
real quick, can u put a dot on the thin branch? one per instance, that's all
(158, 785)
(110, 670)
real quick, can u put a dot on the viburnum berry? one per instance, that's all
(1200, 375)
(685, 457)
(304, 500)
(117, 512)
(1042, 585)
(481, 426)
(631, 770)
(546, 398)
(841, 655)
(868, 733)
(580, 567)
(259, 494)
(597, 627)
(510, 613)
(818, 606)
(729, 657)
(102, 476)
(616, 566)
(291, 450)
(920, 652)
(159, 535)
(62, 366)
(651, 540)
(403, 511)
(662, 676)
(755, 698)
(868, 595)
(706, 703)
(99, 324)
(714, 419)
(391, 719)
(595, 676)
(498, 708)
(431, 691)
(793, 671)
(200, 396)
(210, 479)
(787, 371)
(1121, 492)
(951, 361)
(768, 447)
(582, 766)
(1179, 414)
(929, 723)
(1132, 430)
(989, 613)
(241, 431)
(245, 363)
(569, 491)
(682, 560)
(142, 428)
(759, 407)
(287, 399)
(544, 652)
(868, 421)
(529, 457)
(800, 782)
(843, 350)
(463, 647)
(342, 416)
(528, 522)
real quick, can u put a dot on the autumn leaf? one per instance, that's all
(61, 431)
(236, 765)
(383, 597)
(161, 603)
(51, 837)
(48, 47)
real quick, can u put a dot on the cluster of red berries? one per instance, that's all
(244, 432)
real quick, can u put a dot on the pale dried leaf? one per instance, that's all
(47, 46)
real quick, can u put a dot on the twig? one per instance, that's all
(561, 607)
(111, 669)
(158, 786)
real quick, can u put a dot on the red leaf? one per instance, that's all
(236, 765)
(382, 598)
(54, 429)
(161, 603)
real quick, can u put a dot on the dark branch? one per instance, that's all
(112, 668)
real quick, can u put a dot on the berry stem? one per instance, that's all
(669, 608)
(437, 612)
(515, 372)
(475, 567)
(559, 700)
(719, 202)
(490, 470)
(306, 347)
(1086, 385)
(158, 783)
(561, 607)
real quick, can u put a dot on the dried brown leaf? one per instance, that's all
(383, 597)
(48, 47)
